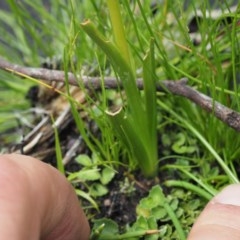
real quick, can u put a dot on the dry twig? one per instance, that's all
(180, 87)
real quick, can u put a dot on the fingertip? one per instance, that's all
(229, 195)
(220, 219)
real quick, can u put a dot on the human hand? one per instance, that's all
(220, 220)
(37, 202)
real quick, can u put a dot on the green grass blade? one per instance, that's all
(121, 66)
(124, 126)
(150, 103)
(58, 150)
(118, 30)
(190, 187)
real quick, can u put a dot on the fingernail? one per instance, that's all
(229, 195)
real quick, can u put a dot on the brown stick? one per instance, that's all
(180, 87)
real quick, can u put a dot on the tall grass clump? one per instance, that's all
(134, 123)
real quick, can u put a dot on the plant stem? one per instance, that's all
(188, 186)
(118, 29)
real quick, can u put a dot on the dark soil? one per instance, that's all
(120, 203)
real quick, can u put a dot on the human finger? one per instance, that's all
(37, 202)
(220, 220)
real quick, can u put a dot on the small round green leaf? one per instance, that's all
(97, 190)
(107, 175)
(89, 175)
(84, 160)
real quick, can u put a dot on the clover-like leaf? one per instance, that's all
(84, 160)
(107, 175)
(144, 212)
(86, 175)
(103, 227)
(97, 190)
(159, 212)
(141, 224)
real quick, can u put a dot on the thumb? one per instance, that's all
(220, 220)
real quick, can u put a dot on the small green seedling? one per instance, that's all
(150, 211)
(106, 229)
(94, 178)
